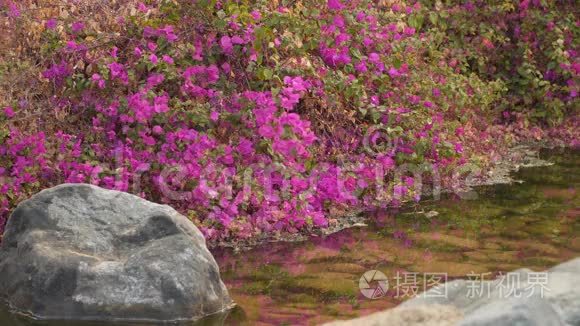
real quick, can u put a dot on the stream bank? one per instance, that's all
(532, 224)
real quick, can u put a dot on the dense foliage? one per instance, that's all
(274, 116)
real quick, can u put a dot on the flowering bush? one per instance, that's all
(259, 117)
(531, 45)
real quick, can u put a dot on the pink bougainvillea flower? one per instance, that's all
(50, 24)
(99, 80)
(524, 4)
(409, 31)
(167, 59)
(9, 112)
(13, 10)
(142, 7)
(168, 33)
(153, 58)
(256, 15)
(155, 79)
(415, 99)
(393, 72)
(387, 162)
(226, 44)
(361, 67)
(469, 6)
(335, 5)
(226, 67)
(77, 26)
(161, 104)
(57, 72)
(237, 40)
(149, 32)
(118, 71)
(214, 116)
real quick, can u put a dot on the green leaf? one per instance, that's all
(397, 63)
(433, 18)
(416, 21)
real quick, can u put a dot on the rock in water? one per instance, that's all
(527, 298)
(82, 252)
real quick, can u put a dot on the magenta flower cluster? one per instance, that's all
(247, 126)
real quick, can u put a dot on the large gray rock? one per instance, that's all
(82, 252)
(524, 303)
(532, 311)
(433, 315)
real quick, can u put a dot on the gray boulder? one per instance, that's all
(432, 315)
(523, 311)
(526, 305)
(83, 252)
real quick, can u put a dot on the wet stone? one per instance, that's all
(82, 252)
